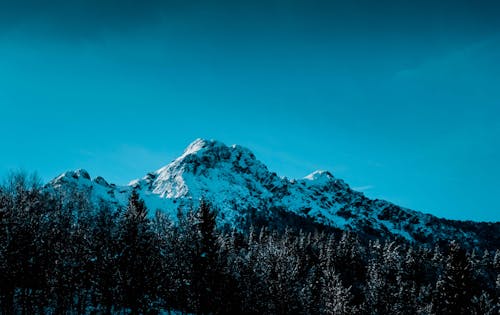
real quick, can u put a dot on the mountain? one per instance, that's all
(246, 193)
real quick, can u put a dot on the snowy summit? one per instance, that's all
(242, 189)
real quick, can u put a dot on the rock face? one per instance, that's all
(242, 188)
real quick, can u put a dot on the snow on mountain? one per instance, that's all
(237, 184)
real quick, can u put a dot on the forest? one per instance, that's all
(61, 253)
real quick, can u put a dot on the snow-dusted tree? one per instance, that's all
(311, 294)
(22, 211)
(62, 259)
(104, 247)
(484, 304)
(206, 277)
(497, 289)
(336, 298)
(454, 289)
(136, 259)
(375, 295)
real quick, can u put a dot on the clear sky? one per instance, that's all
(399, 98)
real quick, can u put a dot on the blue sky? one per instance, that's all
(399, 98)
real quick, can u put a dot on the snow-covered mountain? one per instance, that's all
(245, 192)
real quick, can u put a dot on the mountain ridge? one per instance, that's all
(241, 187)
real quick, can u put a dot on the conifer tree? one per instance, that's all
(206, 273)
(454, 289)
(135, 261)
(104, 247)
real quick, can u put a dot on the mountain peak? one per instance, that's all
(209, 153)
(73, 175)
(200, 145)
(244, 190)
(320, 175)
(202, 164)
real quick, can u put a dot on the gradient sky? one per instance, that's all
(399, 98)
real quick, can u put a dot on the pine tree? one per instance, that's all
(496, 262)
(497, 289)
(104, 246)
(135, 261)
(7, 278)
(206, 273)
(22, 212)
(336, 298)
(484, 305)
(453, 292)
(59, 262)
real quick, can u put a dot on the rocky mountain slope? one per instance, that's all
(245, 192)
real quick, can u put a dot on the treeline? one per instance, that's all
(62, 254)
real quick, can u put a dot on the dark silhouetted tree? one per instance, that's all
(136, 257)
